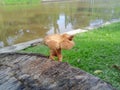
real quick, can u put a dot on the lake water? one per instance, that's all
(20, 23)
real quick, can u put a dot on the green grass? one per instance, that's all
(94, 50)
(19, 1)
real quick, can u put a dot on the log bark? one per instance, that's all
(20, 71)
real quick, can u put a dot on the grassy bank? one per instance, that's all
(97, 52)
(19, 1)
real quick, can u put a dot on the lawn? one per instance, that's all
(19, 1)
(96, 51)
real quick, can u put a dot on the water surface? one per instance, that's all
(20, 23)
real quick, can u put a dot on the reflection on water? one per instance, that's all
(20, 23)
(60, 26)
(96, 22)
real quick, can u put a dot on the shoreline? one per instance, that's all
(21, 46)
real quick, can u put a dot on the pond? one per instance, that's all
(25, 22)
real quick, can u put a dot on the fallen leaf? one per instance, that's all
(98, 71)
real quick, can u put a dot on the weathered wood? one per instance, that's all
(20, 46)
(20, 71)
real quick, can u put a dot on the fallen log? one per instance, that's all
(22, 71)
(20, 46)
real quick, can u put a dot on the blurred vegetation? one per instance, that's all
(18, 1)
